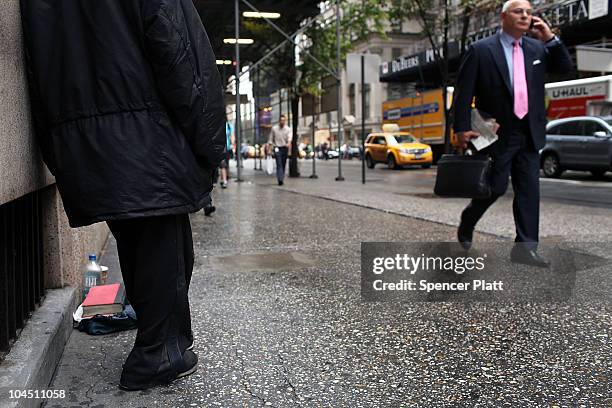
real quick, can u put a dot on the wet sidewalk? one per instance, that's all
(279, 322)
(409, 192)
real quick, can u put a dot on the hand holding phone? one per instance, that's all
(539, 29)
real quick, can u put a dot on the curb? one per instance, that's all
(393, 212)
(32, 360)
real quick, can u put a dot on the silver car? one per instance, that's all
(579, 143)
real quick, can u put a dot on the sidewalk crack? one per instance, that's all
(245, 384)
(285, 373)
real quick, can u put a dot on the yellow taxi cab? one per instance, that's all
(396, 149)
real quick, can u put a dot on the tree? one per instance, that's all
(359, 20)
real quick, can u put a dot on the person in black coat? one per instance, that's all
(505, 74)
(129, 113)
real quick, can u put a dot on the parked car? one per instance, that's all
(578, 143)
(396, 149)
(355, 152)
(332, 154)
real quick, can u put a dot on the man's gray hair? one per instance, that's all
(507, 4)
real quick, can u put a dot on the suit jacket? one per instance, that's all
(484, 75)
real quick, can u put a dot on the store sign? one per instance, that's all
(560, 15)
(578, 91)
(415, 61)
(396, 114)
(567, 13)
(598, 8)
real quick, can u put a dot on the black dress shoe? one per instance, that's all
(190, 340)
(464, 236)
(208, 210)
(168, 371)
(529, 257)
(280, 182)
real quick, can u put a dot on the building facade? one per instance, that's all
(400, 40)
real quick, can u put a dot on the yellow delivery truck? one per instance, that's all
(422, 115)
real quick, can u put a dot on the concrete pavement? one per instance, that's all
(571, 209)
(279, 321)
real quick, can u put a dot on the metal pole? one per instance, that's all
(363, 167)
(256, 118)
(339, 78)
(255, 136)
(238, 118)
(314, 153)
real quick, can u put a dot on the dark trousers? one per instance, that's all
(281, 162)
(520, 160)
(156, 258)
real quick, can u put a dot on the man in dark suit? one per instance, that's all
(505, 74)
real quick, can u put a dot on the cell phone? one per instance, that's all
(541, 17)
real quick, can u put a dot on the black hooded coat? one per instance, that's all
(127, 104)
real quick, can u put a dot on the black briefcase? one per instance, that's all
(464, 176)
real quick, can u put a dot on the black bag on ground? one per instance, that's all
(464, 176)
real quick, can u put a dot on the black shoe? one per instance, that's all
(464, 236)
(190, 340)
(524, 256)
(165, 374)
(280, 182)
(209, 210)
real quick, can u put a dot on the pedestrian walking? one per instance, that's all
(280, 140)
(229, 131)
(324, 150)
(505, 73)
(129, 113)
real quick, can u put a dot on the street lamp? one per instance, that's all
(224, 62)
(259, 14)
(241, 41)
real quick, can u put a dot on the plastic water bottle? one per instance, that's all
(92, 275)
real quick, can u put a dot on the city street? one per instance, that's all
(573, 187)
(279, 321)
(318, 290)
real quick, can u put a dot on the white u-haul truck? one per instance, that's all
(579, 97)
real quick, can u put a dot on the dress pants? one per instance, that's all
(281, 162)
(156, 258)
(520, 160)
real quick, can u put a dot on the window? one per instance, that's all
(570, 128)
(398, 90)
(396, 53)
(380, 140)
(366, 94)
(554, 130)
(590, 127)
(402, 139)
(396, 24)
(351, 95)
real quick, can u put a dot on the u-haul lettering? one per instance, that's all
(579, 91)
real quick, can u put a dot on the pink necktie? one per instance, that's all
(521, 101)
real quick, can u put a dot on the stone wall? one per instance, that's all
(21, 168)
